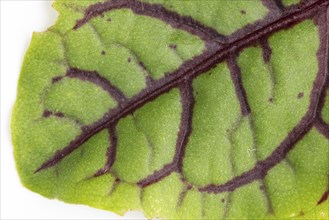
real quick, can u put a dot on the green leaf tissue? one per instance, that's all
(183, 109)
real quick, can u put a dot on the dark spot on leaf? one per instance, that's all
(173, 46)
(261, 187)
(57, 79)
(141, 64)
(46, 113)
(301, 213)
(270, 100)
(129, 60)
(300, 95)
(59, 114)
(103, 52)
(109, 19)
(223, 200)
(243, 12)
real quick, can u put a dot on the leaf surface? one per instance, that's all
(182, 109)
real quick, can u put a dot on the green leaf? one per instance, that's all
(181, 109)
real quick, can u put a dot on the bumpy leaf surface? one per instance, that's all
(182, 109)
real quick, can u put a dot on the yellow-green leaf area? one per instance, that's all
(290, 2)
(76, 99)
(276, 108)
(296, 185)
(146, 139)
(211, 156)
(150, 45)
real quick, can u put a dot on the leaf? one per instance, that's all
(182, 109)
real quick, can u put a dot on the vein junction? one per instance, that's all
(219, 48)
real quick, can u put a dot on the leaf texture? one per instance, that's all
(182, 109)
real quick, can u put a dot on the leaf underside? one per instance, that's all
(182, 109)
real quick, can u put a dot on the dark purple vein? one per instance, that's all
(262, 167)
(182, 195)
(266, 49)
(267, 53)
(185, 129)
(176, 20)
(111, 152)
(275, 6)
(304, 126)
(289, 17)
(323, 198)
(94, 77)
(48, 113)
(190, 69)
(322, 127)
(322, 83)
(237, 82)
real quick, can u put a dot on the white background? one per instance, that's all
(18, 20)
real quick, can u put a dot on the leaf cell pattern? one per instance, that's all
(219, 49)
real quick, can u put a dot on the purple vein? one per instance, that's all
(322, 127)
(274, 6)
(267, 53)
(304, 126)
(95, 78)
(111, 152)
(184, 133)
(176, 20)
(48, 113)
(190, 69)
(237, 82)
